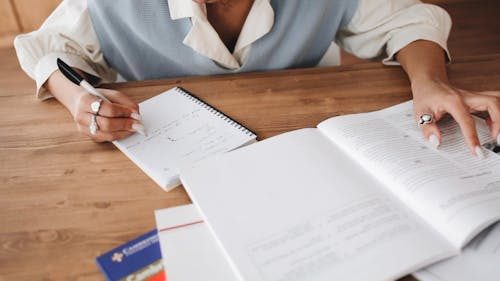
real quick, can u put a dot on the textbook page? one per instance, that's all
(456, 192)
(480, 260)
(180, 130)
(295, 207)
(188, 248)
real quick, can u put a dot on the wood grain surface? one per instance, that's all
(65, 200)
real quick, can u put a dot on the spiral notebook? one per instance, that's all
(181, 130)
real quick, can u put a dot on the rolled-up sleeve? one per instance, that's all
(390, 25)
(67, 34)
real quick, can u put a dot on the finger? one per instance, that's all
(112, 136)
(461, 114)
(102, 136)
(493, 108)
(491, 93)
(494, 112)
(430, 130)
(120, 98)
(107, 124)
(490, 126)
(107, 109)
(484, 101)
(112, 109)
(119, 124)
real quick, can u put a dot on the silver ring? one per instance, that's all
(95, 106)
(93, 128)
(425, 118)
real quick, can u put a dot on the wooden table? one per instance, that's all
(65, 200)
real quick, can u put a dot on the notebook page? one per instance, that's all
(294, 207)
(180, 131)
(458, 193)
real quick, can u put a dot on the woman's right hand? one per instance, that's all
(116, 119)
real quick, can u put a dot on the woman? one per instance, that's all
(159, 38)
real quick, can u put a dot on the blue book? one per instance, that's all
(139, 259)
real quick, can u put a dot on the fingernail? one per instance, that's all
(434, 141)
(479, 152)
(136, 116)
(139, 128)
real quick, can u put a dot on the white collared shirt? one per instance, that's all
(376, 26)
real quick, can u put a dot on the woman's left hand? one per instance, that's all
(439, 98)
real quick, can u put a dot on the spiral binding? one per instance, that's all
(214, 111)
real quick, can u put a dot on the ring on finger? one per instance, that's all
(93, 128)
(425, 118)
(95, 106)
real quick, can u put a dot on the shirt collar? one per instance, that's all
(180, 9)
(259, 22)
(205, 40)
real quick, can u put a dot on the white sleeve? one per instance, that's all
(390, 25)
(67, 34)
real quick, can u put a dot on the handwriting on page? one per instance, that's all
(179, 130)
(312, 246)
(190, 137)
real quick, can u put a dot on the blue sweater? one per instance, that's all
(141, 41)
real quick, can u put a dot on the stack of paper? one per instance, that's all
(189, 250)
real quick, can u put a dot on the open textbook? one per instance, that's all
(360, 197)
(181, 129)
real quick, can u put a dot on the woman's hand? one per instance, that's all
(115, 120)
(438, 98)
(424, 62)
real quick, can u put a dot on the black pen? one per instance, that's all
(76, 78)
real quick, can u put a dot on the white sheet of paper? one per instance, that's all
(189, 250)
